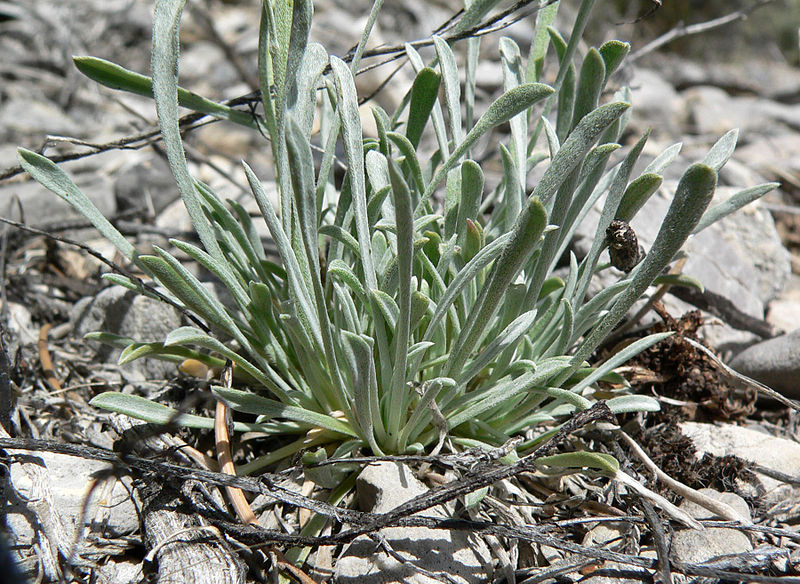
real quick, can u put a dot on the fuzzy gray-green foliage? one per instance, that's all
(411, 304)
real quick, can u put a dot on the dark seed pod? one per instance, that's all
(623, 246)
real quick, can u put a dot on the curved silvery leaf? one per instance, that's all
(625, 404)
(315, 59)
(301, 295)
(154, 413)
(722, 151)
(506, 390)
(250, 403)
(636, 195)
(733, 204)
(423, 97)
(613, 53)
(471, 193)
(576, 146)
(503, 109)
(164, 63)
(301, 163)
(524, 238)
(507, 338)
(590, 83)
(366, 407)
(436, 113)
(404, 219)
(541, 41)
(664, 159)
(694, 193)
(452, 87)
(50, 176)
(513, 76)
(117, 77)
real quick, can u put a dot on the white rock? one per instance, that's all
(50, 497)
(696, 546)
(123, 312)
(771, 452)
(383, 487)
(774, 362)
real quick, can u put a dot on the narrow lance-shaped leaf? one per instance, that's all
(423, 95)
(512, 191)
(506, 339)
(566, 104)
(721, 152)
(734, 203)
(301, 163)
(637, 194)
(541, 40)
(590, 84)
(411, 161)
(164, 63)
(452, 87)
(365, 393)
(613, 53)
(574, 149)
(506, 107)
(513, 77)
(52, 177)
(695, 191)
(315, 59)
(354, 152)
(405, 255)
(436, 113)
(524, 239)
(143, 409)
(471, 193)
(304, 304)
(122, 79)
(302, 13)
(250, 403)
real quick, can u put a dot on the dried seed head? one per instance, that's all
(623, 246)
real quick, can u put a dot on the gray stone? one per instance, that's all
(381, 488)
(771, 452)
(774, 362)
(145, 184)
(123, 312)
(784, 311)
(20, 326)
(711, 110)
(48, 497)
(20, 117)
(696, 546)
(656, 103)
(775, 155)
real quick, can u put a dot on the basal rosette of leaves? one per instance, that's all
(413, 304)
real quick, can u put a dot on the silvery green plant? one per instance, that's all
(413, 304)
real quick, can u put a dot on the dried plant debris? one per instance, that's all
(691, 387)
(675, 454)
(623, 246)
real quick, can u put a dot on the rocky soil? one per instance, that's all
(71, 516)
